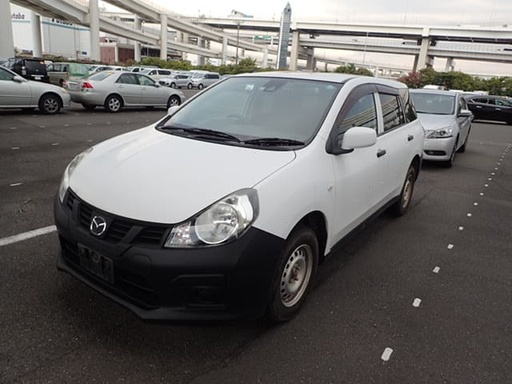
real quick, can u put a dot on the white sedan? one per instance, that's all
(17, 92)
(117, 89)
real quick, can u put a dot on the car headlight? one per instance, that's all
(64, 184)
(442, 133)
(224, 220)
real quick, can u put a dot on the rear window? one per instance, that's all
(99, 76)
(35, 66)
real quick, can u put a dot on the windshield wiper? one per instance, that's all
(273, 141)
(204, 133)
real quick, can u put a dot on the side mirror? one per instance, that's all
(465, 113)
(18, 79)
(359, 137)
(172, 110)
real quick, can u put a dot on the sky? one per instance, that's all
(397, 12)
(417, 12)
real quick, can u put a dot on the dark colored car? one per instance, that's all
(494, 108)
(29, 68)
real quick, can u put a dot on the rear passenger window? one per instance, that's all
(361, 114)
(391, 111)
(410, 112)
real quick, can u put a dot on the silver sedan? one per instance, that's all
(447, 122)
(116, 89)
(17, 92)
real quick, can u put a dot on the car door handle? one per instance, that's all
(410, 138)
(381, 152)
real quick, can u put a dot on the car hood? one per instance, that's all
(156, 177)
(432, 122)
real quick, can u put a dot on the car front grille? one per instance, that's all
(120, 229)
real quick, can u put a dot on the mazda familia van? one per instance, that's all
(225, 207)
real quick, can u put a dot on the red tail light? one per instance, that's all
(87, 85)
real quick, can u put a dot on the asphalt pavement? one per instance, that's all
(426, 298)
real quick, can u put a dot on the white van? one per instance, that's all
(224, 208)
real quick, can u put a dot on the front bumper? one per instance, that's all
(225, 282)
(438, 149)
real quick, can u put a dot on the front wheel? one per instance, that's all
(113, 103)
(50, 104)
(295, 274)
(173, 85)
(449, 163)
(404, 201)
(173, 101)
(189, 86)
(200, 86)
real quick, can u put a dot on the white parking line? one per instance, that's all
(27, 235)
(387, 354)
(15, 184)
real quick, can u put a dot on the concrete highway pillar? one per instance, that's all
(136, 44)
(423, 60)
(450, 65)
(163, 37)
(6, 40)
(224, 50)
(94, 24)
(264, 63)
(294, 55)
(311, 61)
(37, 39)
(200, 44)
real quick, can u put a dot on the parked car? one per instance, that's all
(118, 89)
(202, 80)
(230, 202)
(17, 92)
(28, 68)
(61, 73)
(157, 73)
(493, 108)
(177, 81)
(140, 68)
(100, 67)
(447, 122)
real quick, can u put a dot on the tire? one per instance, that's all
(189, 86)
(296, 271)
(114, 103)
(173, 101)
(173, 85)
(200, 86)
(50, 104)
(89, 106)
(449, 163)
(404, 201)
(463, 148)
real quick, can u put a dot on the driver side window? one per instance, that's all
(361, 114)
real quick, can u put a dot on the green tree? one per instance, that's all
(353, 70)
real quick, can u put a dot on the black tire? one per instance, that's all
(173, 85)
(294, 276)
(174, 100)
(114, 103)
(189, 86)
(50, 104)
(404, 201)
(463, 148)
(89, 106)
(200, 86)
(449, 163)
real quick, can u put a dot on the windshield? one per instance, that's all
(260, 108)
(434, 103)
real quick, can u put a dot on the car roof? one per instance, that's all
(325, 76)
(435, 92)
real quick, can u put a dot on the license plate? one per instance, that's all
(96, 263)
(72, 86)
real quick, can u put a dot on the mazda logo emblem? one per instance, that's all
(98, 226)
